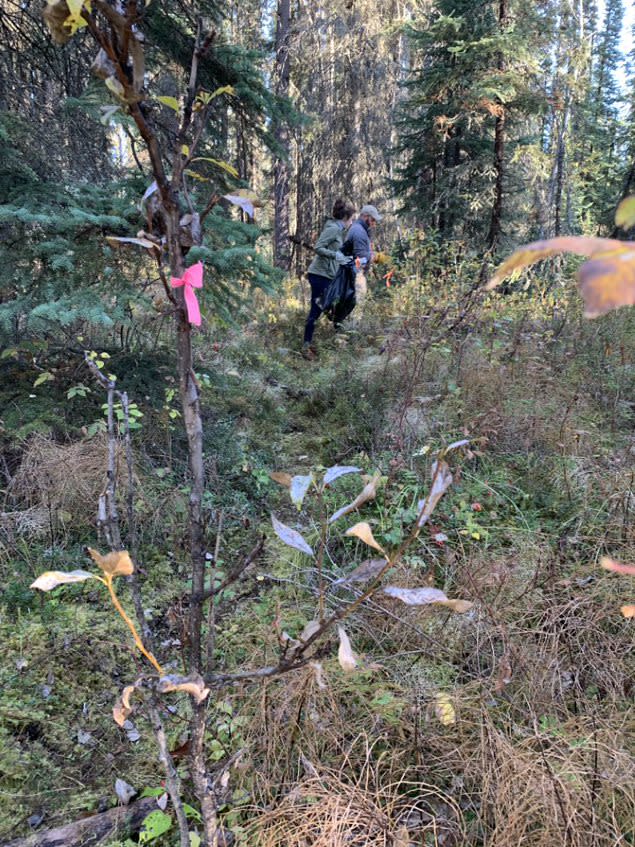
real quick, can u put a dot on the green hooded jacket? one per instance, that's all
(330, 241)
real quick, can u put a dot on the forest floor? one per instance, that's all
(509, 724)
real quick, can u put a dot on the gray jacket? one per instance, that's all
(329, 242)
(359, 240)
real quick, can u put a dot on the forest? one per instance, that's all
(367, 588)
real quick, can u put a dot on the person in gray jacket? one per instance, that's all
(358, 245)
(325, 264)
(358, 237)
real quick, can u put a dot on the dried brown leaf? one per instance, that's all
(441, 481)
(193, 685)
(290, 536)
(51, 579)
(310, 628)
(368, 569)
(345, 655)
(281, 478)
(458, 606)
(427, 597)
(369, 492)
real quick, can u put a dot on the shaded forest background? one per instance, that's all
(474, 127)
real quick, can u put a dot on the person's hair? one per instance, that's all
(343, 209)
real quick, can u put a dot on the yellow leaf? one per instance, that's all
(113, 84)
(363, 531)
(459, 606)
(171, 102)
(185, 150)
(625, 213)
(224, 89)
(219, 164)
(345, 655)
(117, 563)
(444, 710)
(51, 579)
(196, 175)
(75, 20)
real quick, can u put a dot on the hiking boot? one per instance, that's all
(308, 351)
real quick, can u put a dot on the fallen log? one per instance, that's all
(118, 822)
(115, 823)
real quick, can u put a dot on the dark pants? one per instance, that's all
(319, 284)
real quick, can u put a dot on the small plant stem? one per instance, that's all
(200, 776)
(131, 626)
(320, 560)
(211, 611)
(172, 779)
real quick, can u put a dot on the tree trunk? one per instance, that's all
(281, 251)
(495, 228)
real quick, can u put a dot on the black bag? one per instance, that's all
(338, 301)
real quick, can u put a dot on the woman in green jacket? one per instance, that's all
(324, 266)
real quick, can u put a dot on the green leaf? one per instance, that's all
(45, 377)
(191, 812)
(154, 825)
(171, 102)
(152, 792)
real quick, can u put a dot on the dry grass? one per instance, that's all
(359, 807)
(64, 480)
(541, 677)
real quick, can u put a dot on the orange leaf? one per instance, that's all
(616, 567)
(607, 281)
(193, 684)
(539, 250)
(363, 531)
(628, 611)
(122, 707)
(117, 563)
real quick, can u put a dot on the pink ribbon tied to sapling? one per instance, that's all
(191, 279)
